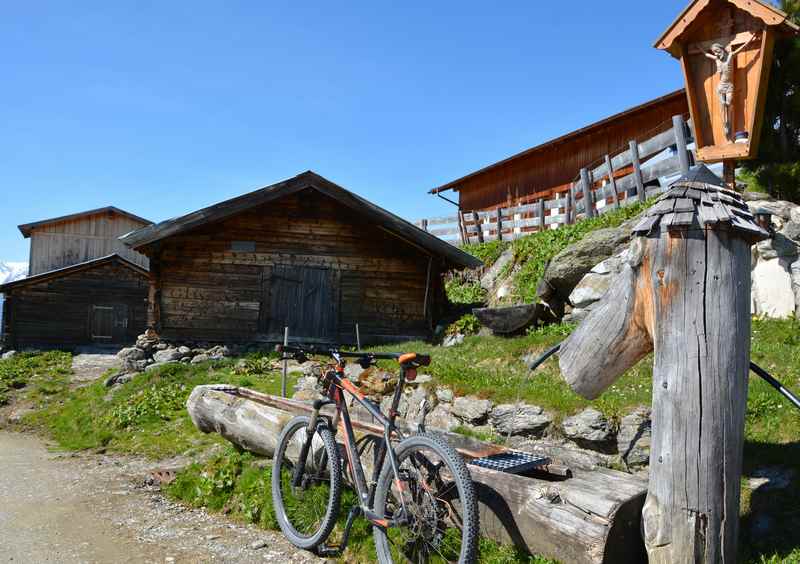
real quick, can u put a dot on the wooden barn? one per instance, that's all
(80, 237)
(546, 169)
(84, 285)
(100, 301)
(305, 254)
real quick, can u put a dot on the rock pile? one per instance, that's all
(150, 353)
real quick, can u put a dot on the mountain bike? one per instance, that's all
(420, 499)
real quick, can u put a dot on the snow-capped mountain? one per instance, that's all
(10, 271)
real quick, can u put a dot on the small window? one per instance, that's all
(243, 246)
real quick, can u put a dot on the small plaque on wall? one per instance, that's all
(243, 246)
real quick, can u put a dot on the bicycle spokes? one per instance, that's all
(433, 532)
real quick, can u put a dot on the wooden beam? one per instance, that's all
(679, 127)
(637, 171)
(588, 199)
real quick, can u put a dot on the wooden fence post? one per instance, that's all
(612, 181)
(637, 170)
(424, 225)
(679, 126)
(540, 213)
(686, 288)
(499, 224)
(462, 228)
(477, 221)
(588, 199)
(570, 206)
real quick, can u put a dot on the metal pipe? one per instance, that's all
(775, 384)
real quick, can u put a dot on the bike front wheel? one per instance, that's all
(434, 500)
(306, 497)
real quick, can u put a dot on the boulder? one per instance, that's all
(597, 281)
(489, 279)
(414, 411)
(147, 340)
(441, 418)
(778, 208)
(567, 268)
(167, 355)
(471, 409)
(748, 196)
(9, 354)
(218, 352)
(772, 291)
(132, 353)
(453, 340)
(133, 366)
(791, 230)
(589, 429)
(519, 419)
(198, 358)
(444, 395)
(185, 351)
(633, 437)
(778, 246)
(794, 215)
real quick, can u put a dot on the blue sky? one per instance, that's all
(161, 108)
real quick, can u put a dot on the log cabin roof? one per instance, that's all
(698, 200)
(767, 13)
(67, 270)
(27, 228)
(391, 223)
(563, 139)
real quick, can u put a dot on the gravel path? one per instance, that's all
(94, 508)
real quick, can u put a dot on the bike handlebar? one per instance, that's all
(403, 358)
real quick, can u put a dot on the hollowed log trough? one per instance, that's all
(573, 516)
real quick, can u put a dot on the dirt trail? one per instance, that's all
(92, 508)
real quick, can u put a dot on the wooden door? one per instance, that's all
(305, 300)
(121, 321)
(102, 323)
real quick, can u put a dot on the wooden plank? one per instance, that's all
(612, 183)
(570, 207)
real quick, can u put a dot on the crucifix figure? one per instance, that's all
(724, 59)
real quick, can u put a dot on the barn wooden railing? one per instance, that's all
(620, 179)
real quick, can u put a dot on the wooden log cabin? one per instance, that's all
(549, 168)
(84, 285)
(100, 301)
(304, 254)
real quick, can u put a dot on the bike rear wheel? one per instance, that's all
(440, 506)
(306, 508)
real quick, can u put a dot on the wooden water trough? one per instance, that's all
(571, 515)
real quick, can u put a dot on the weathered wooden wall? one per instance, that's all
(541, 171)
(56, 312)
(218, 282)
(64, 243)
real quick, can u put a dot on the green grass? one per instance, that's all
(33, 376)
(146, 416)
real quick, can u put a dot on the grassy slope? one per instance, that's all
(531, 254)
(147, 417)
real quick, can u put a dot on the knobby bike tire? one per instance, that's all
(331, 453)
(464, 485)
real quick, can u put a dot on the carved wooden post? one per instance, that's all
(685, 293)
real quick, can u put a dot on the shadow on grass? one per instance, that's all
(769, 525)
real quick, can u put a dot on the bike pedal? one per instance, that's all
(329, 551)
